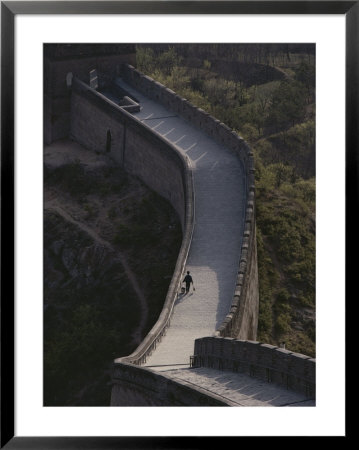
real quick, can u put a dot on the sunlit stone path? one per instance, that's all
(219, 186)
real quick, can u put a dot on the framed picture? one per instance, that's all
(28, 420)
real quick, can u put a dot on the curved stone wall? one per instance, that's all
(139, 386)
(267, 362)
(242, 319)
(144, 153)
(140, 150)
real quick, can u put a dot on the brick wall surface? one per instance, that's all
(146, 154)
(133, 145)
(242, 319)
(268, 362)
(137, 386)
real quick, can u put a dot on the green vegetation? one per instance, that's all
(267, 94)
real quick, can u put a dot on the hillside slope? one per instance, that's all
(110, 248)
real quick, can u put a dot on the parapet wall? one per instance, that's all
(242, 319)
(139, 386)
(133, 145)
(146, 154)
(268, 362)
(199, 118)
(57, 94)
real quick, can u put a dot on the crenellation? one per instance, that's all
(250, 204)
(265, 361)
(242, 267)
(245, 242)
(244, 254)
(240, 279)
(251, 182)
(237, 295)
(249, 215)
(141, 151)
(266, 355)
(296, 364)
(236, 300)
(143, 387)
(247, 229)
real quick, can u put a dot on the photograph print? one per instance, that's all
(179, 224)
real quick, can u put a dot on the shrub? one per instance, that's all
(282, 324)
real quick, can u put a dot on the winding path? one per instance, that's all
(219, 185)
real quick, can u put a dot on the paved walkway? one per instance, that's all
(213, 262)
(219, 216)
(239, 389)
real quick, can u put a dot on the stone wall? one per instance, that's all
(136, 386)
(213, 127)
(242, 319)
(57, 94)
(267, 362)
(144, 153)
(136, 147)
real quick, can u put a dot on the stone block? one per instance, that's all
(252, 351)
(240, 279)
(249, 214)
(242, 267)
(296, 364)
(310, 371)
(199, 346)
(265, 354)
(244, 255)
(281, 359)
(247, 229)
(245, 242)
(237, 294)
(217, 346)
(227, 347)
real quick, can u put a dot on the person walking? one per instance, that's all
(188, 280)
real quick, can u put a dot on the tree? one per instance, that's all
(287, 104)
(145, 59)
(305, 74)
(168, 60)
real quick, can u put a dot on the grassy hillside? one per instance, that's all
(267, 94)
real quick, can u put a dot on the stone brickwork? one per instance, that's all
(267, 362)
(138, 386)
(146, 154)
(242, 319)
(136, 147)
(90, 118)
(220, 132)
(79, 60)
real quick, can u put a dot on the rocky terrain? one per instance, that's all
(110, 247)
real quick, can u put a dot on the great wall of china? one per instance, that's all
(173, 146)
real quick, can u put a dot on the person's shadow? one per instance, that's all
(182, 296)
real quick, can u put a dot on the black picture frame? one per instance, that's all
(9, 9)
